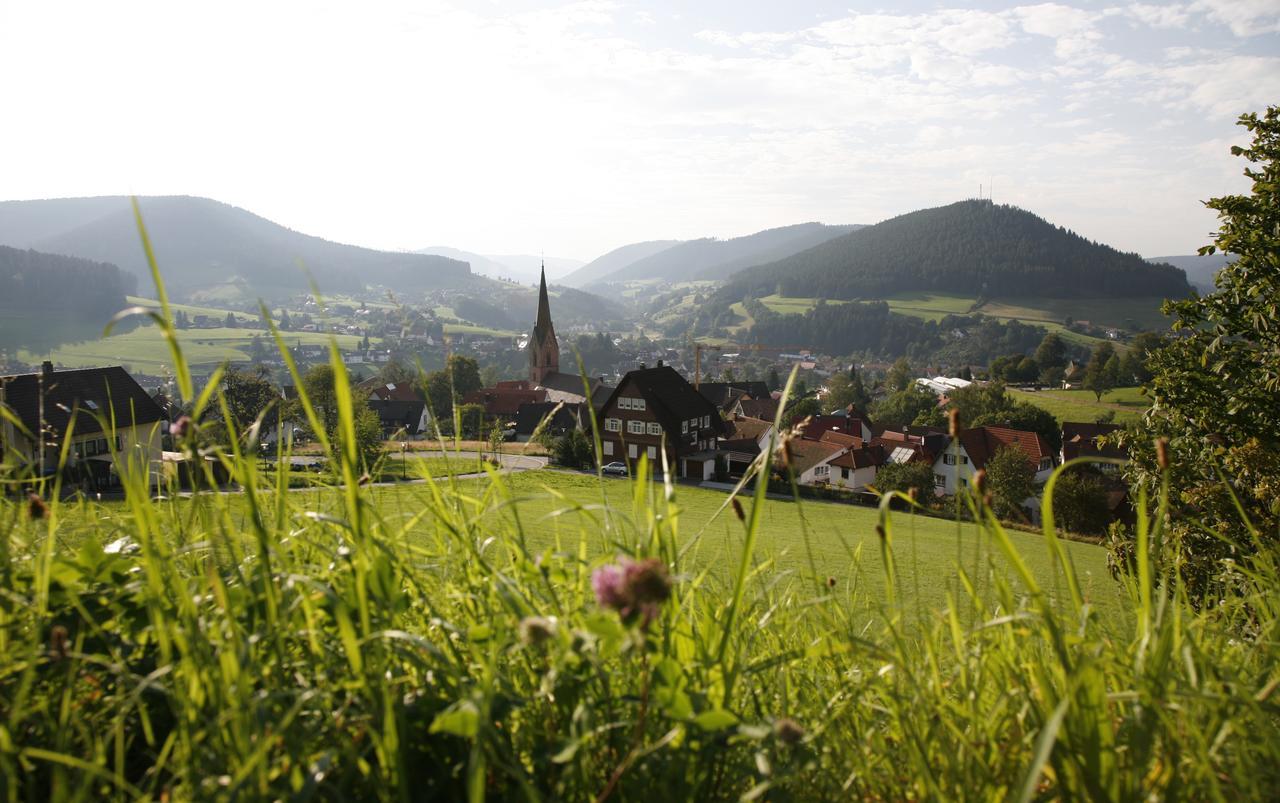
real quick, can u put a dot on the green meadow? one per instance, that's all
(1127, 404)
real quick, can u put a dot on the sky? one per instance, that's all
(571, 128)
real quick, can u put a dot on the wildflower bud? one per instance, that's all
(365, 479)
(58, 643)
(953, 422)
(179, 429)
(633, 588)
(831, 582)
(36, 508)
(788, 731)
(1162, 453)
(979, 481)
(535, 630)
(737, 510)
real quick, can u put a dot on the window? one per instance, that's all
(964, 460)
(948, 460)
(844, 473)
(635, 427)
(1046, 463)
(608, 447)
(624, 403)
(631, 451)
(637, 404)
(939, 480)
(684, 427)
(964, 483)
(653, 452)
(821, 471)
(613, 425)
(655, 428)
(706, 421)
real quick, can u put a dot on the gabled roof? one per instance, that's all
(503, 401)
(530, 415)
(1081, 440)
(837, 438)
(982, 443)
(88, 393)
(806, 454)
(391, 391)
(866, 457)
(670, 396)
(814, 427)
(722, 394)
(765, 408)
(754, 428)
(568, 383)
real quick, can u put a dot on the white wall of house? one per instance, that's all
(952, 470)
(820, 474)
(853, 478)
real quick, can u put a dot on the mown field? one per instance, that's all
(142, 350)
(1127, 404)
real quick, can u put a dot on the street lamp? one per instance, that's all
(404, 446)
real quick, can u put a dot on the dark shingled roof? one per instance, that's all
(722, 394)
(671, 398)
(531, 414)
(1081, 440)
(90, 392)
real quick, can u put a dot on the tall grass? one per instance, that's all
(313, 645)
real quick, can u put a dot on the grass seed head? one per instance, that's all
(953, 422)
(36, 508)
(1162, 453)
(536, 630)
(58, 643)
(788, 731)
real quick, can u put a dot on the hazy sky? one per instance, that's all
(572, 128)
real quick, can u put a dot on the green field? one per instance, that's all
(1128, 404)
(144, 350)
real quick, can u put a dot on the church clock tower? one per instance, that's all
(544, 352)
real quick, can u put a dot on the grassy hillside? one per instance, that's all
(1127, 404)
(141, 350)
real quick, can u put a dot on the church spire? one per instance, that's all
(544, 351)
(543, 323)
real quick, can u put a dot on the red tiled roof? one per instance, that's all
(503, 401)
(806, 454)
(840, 439)
(865, 457)
(982, 443)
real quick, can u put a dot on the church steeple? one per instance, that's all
(544, 351)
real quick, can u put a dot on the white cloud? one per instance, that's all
(1243, 17)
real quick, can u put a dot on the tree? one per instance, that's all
(285, 323)
(247, 394)
(230, 321)
(439, 396)
(899, 376)
(466, 375)
(839, 393)
(1012, 480)
(1025, 417)
(1052, 352)
(775, 382)
(802, 408)
(966, 373)
(1220, 378)
(1080, 502)
(471, 420)
(573, 450)
(321, 386)
(861, 399)
(903, 477)
(1099, 376)
(904, 407)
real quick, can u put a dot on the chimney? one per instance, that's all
(46, 367)
(659, 363)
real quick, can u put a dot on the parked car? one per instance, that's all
(615, 467)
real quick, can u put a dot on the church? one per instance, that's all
(544, 361)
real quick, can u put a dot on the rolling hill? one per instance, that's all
(615, 260)
(1200, 269)
(710, 258)
(200, 243)
(973, 247)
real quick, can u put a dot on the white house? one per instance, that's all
(955, 465)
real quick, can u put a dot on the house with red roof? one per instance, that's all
(954, 466)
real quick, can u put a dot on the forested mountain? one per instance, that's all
(615, 260)
(480, 265)
(968, 247)
(710, 258)
(200, 242)
(61, 286)
(872, 329)
(527, 267)
(1200, 269)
